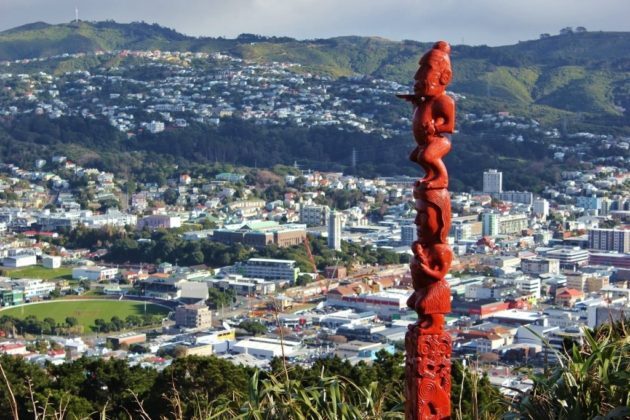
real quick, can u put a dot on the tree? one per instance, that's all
(170, 196)
(133, 321)
(72, 321)
(218, 299)
(253, 327)
(303, 280)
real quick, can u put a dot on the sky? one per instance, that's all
(472, 22)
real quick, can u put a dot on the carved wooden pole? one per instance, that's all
(428, 345)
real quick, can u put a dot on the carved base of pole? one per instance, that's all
(428, 375)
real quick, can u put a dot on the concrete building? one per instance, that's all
(126, 339)
(461, 231)
(22, 260)
(576, 280)
(512, 224)
(529, 285)
(193, 317)
(387, 303)
(159, 221)
(492, 181)
(50, 261)
(266, 348)
(334, 231)
(522, 197)
(261, 234)
(408, 234)
(609, 240)
(589, 203)
(314, 215)
(155, 127)
(610, 259)
(536, 266)
(541, 208)
(270, 269)
(490, 224)
(110, 218)
(94, 273)
(244, 286)
(569, 258)
(33, 288)
(10, 297)
(335, 272)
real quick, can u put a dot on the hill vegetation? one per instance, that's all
(149, 157)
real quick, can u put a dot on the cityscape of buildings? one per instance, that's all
(531, 268)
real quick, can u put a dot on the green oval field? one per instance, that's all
(86, 311)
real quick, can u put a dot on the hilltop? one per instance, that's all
(580, 77)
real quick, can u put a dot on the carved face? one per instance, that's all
(432, 76)
(428, 222)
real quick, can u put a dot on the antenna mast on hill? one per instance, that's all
(76, 14)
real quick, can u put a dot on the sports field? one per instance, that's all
(86, 311)
(39, 272)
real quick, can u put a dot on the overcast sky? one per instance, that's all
(491, 22)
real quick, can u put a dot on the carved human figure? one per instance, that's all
(433, 217)
(427, 344)
(431, 298)
(433, 115)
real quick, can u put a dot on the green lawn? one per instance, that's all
(39, 272)
(86, 311)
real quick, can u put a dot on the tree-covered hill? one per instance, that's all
(575, 76)
(95, 143)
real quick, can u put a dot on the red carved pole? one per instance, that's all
(428, 345)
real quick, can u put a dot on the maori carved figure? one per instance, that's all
(427, 344)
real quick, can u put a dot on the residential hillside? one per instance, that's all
(579, 77)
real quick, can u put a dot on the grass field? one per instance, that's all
(86, 311)
(39, 272)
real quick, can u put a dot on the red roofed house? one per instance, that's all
(568, 297)
(13, 348)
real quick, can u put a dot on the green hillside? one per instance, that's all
(581, 75)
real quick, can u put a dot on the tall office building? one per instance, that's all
(408, 234)
(490, 224)
(492, 181)
(541, 208)
(606, 206)
(609, 239)
(334, 231)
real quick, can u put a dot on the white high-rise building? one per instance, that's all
(492, 181)
(541, 208)
(490, 224)
(334, 231)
